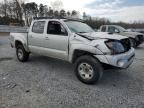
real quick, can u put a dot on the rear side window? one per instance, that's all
(103, 29)
(38, 27)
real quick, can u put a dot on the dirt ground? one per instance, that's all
(44, 82)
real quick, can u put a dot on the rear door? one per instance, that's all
(36, 37)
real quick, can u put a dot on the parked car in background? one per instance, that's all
(135, 37)
(138, 30)
(74, 41)
(141, 32)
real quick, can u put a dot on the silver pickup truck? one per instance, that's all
(74, 41)
(135, 37)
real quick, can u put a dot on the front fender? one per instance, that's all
(83, 47)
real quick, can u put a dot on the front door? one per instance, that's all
(56, 40)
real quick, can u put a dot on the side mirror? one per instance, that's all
(117, 31)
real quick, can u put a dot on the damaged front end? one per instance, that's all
(122, 54)
(118, 46)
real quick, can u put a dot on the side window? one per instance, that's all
(113, 30)
(56, 28)
(38, 27)
(103, 29)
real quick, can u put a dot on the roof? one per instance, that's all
(110, 25)
(58, 18)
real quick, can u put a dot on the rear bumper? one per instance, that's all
(120, 61)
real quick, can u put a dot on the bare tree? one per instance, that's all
(45, 10)
(41, 10)
(19, 9)
(3, 8)
(74, 13)
(68, 14)
(62, 13)
(50, 12)
(56, 13)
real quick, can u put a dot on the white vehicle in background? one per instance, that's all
(135, 37)
(74, 41)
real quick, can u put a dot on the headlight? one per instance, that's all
(115, 46)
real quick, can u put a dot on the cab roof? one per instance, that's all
(58, 18)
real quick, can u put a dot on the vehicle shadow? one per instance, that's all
(114, 77)
(111, 77)
(56, 66)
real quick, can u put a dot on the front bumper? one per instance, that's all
(121, 60)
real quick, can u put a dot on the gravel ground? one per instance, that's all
(43, 82)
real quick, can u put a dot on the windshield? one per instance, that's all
(78, 27)
(122, 29)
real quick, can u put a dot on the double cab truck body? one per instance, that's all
(74, 41)
(135, 37)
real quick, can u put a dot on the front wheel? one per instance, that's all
(22, 55)
(88, 69)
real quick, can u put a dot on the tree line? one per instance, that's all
(19, 12)
(16, 11)
(97, 22)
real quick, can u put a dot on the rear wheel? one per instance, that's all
(22, 55)
(88, 69)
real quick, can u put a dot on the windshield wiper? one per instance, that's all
(81, 32)
(85, 36)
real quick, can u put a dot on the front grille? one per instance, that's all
(126, 44)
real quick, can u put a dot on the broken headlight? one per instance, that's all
(115, 46)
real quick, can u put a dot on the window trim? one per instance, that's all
(104, 28)
(66, 34)
(37, 22)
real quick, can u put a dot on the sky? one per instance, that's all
(115, 10)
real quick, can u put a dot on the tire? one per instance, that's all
(22, 55)
(88, 69)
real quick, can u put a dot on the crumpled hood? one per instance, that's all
(103, 35)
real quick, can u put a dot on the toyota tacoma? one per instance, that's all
(75, 42)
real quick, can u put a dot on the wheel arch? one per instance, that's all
(78, 53)
(17, 42)
(77, 50)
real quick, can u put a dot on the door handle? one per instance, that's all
(46, 38)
